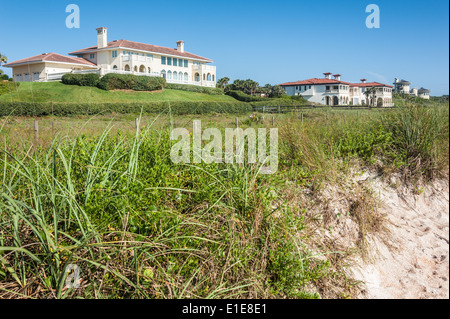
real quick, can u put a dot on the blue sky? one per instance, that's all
(268, 41)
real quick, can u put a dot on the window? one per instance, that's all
(18, 77)
(175, 75)
(114, 54)
(92, 56)
(164, 75)
(208, 77)
(169, 75)
(124, 52)
(169, 61)
(115, 67)
(186, 63)
(310, 87)
(163, 60)
(328, 88)
(27, 77)
(186, 77)
(175, 62)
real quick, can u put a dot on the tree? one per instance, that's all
(277, 91)
(3, 59)
(371, 93)
(223, 83)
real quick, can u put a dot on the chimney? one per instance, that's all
(102, 37)
(327, 75)
(180, 46)
(337, 77)
(363, 80)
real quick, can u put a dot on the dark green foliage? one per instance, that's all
(66, 109)
(131, 82)
(194, 88)
(241, 96)
(91, 79)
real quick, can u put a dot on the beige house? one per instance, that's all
(47, 67)
(122, 57)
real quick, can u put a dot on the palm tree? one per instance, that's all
(372, 92)
(223, 83)
(3, 59)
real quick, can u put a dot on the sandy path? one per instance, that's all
(414, 262)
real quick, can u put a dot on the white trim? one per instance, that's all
(35, 62)
(137, 50)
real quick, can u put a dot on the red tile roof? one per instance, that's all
(52, 57)
(315, 81)
(142, 47)
(371, 84)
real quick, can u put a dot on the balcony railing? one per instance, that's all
(136, 58)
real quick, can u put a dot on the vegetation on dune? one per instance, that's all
(140, 226)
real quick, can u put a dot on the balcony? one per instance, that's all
(136, 58)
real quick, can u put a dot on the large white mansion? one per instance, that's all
(120, 56)
(334, 92)
(404, 87)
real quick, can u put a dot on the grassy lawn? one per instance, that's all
(58, 92)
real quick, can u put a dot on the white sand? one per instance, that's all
(414, 262)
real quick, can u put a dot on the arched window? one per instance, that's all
(204, 77)
(209, 77)
(214, 78)
(169, 75)
(149, 70)
(164, 75)
(135, 68)
(142, 69)
(127, 68)
(186, 77)
(197, 77)
(115, 67)
(175, 75)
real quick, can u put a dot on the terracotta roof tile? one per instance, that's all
(143, 47)
(52, 57)
(371, 84)
(315, 81)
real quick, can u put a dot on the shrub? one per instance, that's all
(241, 96)
(67, 109)
(131, 82)
(194, 88)
(7, 87)
(90, 79)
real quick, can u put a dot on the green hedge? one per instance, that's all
(68, 109)
(194, 88)
(241, 96)
(113, 81)
(279, 102)
(91, 79)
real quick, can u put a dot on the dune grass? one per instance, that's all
(110, 201)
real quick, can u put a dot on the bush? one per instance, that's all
(194, 88)
(91, 79)
(68, 109)
(7, 87)
(131, 82)
(241, 96)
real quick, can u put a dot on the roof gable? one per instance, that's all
(52, 57)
